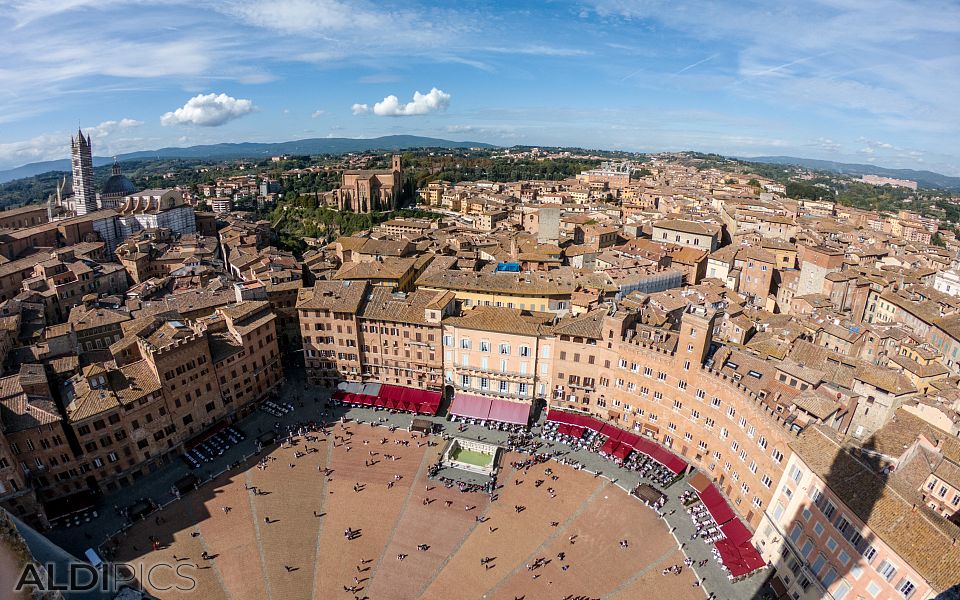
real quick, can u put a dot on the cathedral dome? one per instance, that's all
(118, 184)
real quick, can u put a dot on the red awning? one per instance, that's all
(577, 432)
(630, 439)
(623, 451)
(391, 392)
(611, 432)
(558, 416)
(751, 558)
(428, 409)
(718, 507)
(736, 532)
(474, 407)
(507, 411)
(609, 446)
(741, 559)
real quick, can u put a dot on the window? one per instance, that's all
(465, 343)
(777, 456)
(448, 341)
(484, 346)
(906, 588)
(829, 577)
(524, 351)
(522, 389)
(465, 381)
(795, 474)
(504, 387)
(795, 533)
(778, 511)
(505, 349)
(887, 569)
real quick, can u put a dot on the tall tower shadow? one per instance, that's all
(842, 526)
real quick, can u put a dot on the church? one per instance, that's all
(368, 190)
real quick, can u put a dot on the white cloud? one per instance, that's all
(318, 113)
(108, 127)
(208, 110)
(52, 146)
(436, 100)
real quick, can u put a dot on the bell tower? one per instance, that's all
(696, 334)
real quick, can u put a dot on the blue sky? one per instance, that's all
(860, 81)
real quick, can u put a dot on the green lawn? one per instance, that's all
(472, 457)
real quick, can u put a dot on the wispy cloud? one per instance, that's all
(697, 64)
(108, 137)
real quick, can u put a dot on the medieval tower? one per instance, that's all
(81, 157)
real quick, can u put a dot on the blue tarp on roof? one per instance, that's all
(508, 267)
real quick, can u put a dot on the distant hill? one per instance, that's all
(255, 150)
(925, 179)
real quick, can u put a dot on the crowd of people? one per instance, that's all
(704, 525)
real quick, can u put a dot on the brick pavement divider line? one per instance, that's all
(557, 532)
(424, 462)
(323, 503)
(463, 540)
(216, 569)
(256, 525)
(636, 576)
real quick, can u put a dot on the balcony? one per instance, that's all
(496, 373)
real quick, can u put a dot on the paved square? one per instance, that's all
(287, 542)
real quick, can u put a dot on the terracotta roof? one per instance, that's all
(503, 320)
(18, 412)
(389, 268)
(336, 296)
(692, 227)
(384, 305)
(588, 325)
(559, 282)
